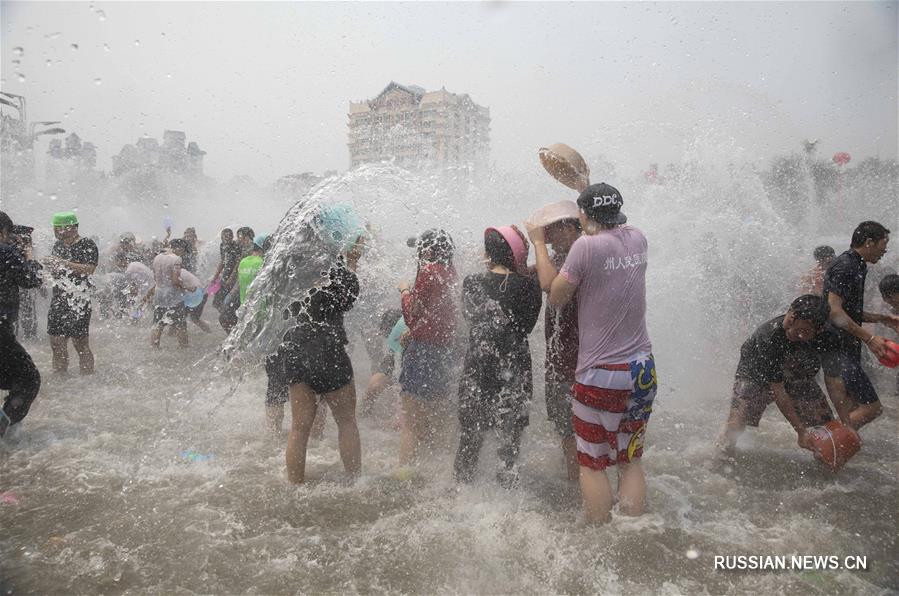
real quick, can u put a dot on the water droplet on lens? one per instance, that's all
(21, 78)
(137, 42)
(52, 197)
(98, 81)
(49, 63)
(692, 554)
(18, 51)
(101, 15)
(106, 47)
(74, 47)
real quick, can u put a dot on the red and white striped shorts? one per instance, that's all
(610, 417)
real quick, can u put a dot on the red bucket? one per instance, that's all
(891, 358)
(834, 444)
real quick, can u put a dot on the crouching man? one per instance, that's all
(778, 363)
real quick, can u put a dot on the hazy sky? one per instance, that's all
(263, 87)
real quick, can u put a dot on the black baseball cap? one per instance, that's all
(602, 203)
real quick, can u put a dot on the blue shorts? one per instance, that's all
(425, 370)
(858, 385)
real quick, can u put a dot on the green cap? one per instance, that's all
(65, 218)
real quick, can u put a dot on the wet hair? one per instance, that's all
(5, 223)
(571, 221)
(179, 244)
(889, 285)
(811, 307)
(388, 320)
(229, 230)
(824, 252)
(246, 232)
(868, 230)
(439, 243)
(498, 250)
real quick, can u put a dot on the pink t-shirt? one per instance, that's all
(609, 271)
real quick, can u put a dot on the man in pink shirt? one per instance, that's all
(615, 380)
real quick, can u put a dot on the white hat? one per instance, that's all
(550, 214)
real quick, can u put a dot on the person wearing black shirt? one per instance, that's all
(231, 301)
(778, 363)
(191, 262)
(18, 374)
(844, 290)
(501, 307)
(316, 364)
(229, 257)
(72, 261)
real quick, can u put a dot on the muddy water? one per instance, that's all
(154, 475)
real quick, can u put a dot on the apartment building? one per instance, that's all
(418, 129)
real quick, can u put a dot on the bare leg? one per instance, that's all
(302, 410)
(182, 336)
(418, 428)
(85, 356)
(631, 488)
(862, 415)
(195, 317)
(376, 385)
(343, 407)
(318, 426)
(156, 335)
(569, 451)
(597, 494)
(274, 416)
(733, 428)
(60, 346)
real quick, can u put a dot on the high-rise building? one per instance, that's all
(171, 156)
(414, 128)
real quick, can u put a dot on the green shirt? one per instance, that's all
(247, 271)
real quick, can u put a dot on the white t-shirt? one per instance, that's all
(163, 266)
(141, 275)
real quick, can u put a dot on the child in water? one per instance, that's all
(501, 306)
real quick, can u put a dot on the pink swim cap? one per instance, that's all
(516, 241)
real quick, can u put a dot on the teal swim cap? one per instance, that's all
(260, 239)
(340, 226)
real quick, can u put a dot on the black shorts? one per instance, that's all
(806, 395)
(176, 316)
(276, 390)
(858, 385)
(68, 316)
(322, 365)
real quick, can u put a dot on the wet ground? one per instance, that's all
(155, 475)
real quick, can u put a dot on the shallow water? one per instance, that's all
(100, 497)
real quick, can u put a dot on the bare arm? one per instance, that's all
(837, 392)
(80, 268)
(546, 272)
(785, 405)
(561, 292)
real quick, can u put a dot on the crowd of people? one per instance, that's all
(600, 374)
